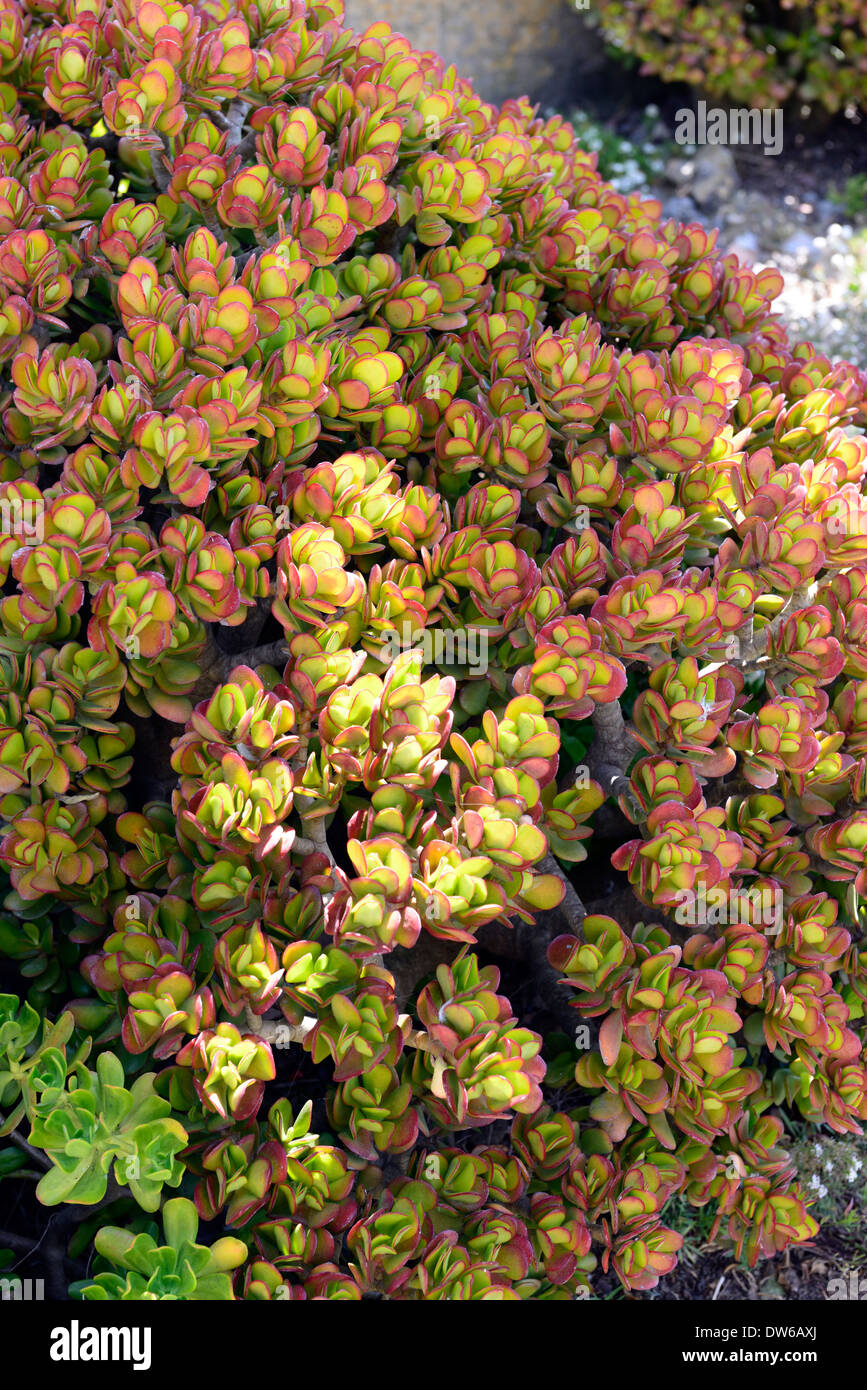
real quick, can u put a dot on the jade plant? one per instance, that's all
(180, 1269)
(397, 523)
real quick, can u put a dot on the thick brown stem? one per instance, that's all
(317, 837)
(235, 117)
(529, 944)
(612, 749)
(23, 1244)
(35, 1155)
(754, 648)
(161, 175)
(571, 907)
(269, 654)
(217, 666)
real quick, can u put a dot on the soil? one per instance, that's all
(802, 1273)
(818, 150)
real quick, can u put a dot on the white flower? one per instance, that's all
(829, 1165)
(823, 1191)
(817, 1150)
(815, 1181)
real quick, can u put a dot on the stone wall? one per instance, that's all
(537, 48)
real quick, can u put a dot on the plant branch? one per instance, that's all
(35, 1155)
(54, 1257)
(235, 117)
(571, 907)
(552, 994)
(268, 654)
(754, 648)
(266, 243)
(162, 177)
(246, 147)
(11, 1241)
(315, 827)
(612, 749)
(217, 666)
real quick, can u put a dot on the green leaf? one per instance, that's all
(180, 1221)
(85, 1185)
(11, 1160)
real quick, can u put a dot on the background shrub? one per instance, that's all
(760, 53)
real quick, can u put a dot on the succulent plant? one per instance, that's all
(180, 1269)
(229, 1070)
(93, 1124)
(388, 505)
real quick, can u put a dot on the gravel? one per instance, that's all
(823, 260)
